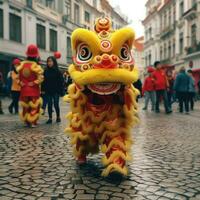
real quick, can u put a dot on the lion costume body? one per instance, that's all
(102, 98)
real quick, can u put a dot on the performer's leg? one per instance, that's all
(25, 109)
(116, 153)
(50, 104)
(34, 112)
(57, 107)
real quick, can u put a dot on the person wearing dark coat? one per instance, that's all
(53, 87)
(192, 90)
(181, 86)
(138, 85)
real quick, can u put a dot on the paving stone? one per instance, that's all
(38, 163)
(101, 197)
(85, 196)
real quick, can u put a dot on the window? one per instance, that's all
(87, 16)
(181, 8)
(161, 24)
(76, 14)
(15, 28)
(68, 5)
(169, 50)
(161, 53)
(193, 35)
(146, 60)
(42, 2)
(53, 40)
(69, 50)
(1, 23)
(170, 17)
(165, 19)
(149, 58)
(181, 43)
(165, 51)
(194, 3)
(174, 13)
(41, 36)
(150, 33)
(174, 47)
(29, 3)
(95, 3)
(51, 4)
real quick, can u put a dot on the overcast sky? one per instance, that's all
(135, 10)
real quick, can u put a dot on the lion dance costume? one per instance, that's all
(30, 77)
(102, 97)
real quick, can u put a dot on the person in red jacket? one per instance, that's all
(149, 90)
(161, 86)
(30, 77)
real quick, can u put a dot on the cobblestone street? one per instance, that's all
(38, 163)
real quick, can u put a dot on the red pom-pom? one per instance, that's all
(57, 54)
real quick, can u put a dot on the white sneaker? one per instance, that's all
(33, 126)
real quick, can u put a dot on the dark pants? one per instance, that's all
(169, 98)
(191, 96)
(15, 101)
(45, 101)
(53, 100)
(163, 94)
(183, 101)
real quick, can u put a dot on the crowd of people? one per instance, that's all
(158, 86)
(52, 87)
(164, 86)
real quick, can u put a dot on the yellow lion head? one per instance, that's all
(102, 58)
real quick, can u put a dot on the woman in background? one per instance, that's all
(15, 87)
(53, 87)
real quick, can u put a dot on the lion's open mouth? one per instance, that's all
(104, 88)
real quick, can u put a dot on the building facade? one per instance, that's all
(47, 23)
(172, 33)
(138, 54)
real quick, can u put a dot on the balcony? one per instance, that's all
(194, 49)
(166, 61)
(167, 31)
(70, 24)
(149, 42)
(191, 13)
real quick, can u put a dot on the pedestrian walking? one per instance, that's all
(181, 86)
(192, 90)
(1, 92)
(149, 90)
(138, 85)
(15, 87)
(53, 87)
(161, 86)
(44, 99)
(170, 90)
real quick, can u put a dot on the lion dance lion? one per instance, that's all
(102, 97)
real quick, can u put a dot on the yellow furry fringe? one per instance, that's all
(28, 117)
(116, 142)
(23, 104)
(23, 117)
(106, 124)
(114, 155)
(94, 76)
(32, 118)
(36, 104)
(114, 168)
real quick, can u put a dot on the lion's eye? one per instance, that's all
(83, 53)
(125, 54)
